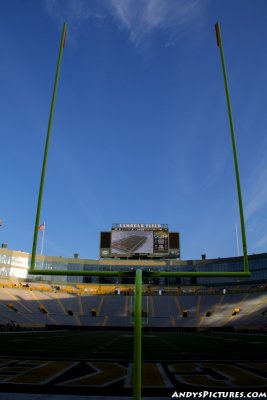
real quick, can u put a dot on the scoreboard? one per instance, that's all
(139, 241)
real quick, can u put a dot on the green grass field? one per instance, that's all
(156, 346)
(100, 363)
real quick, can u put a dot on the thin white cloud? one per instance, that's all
(72, 11)
(142, 17)
(139, 17)
(261, 243)
(258, 193)
(67, 10)
(217, 162)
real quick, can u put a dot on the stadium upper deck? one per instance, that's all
(15, 264)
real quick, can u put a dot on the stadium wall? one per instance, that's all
(14, 264)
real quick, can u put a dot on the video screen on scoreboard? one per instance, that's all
(141, 242)
(123, 242)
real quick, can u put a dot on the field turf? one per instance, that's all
(156, 346)
(100, 363)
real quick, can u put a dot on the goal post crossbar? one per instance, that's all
(156, 274)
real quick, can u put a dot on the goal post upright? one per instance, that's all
(52, 107)
(242, 221)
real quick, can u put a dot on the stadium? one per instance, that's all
(138, 322)
(74, 335)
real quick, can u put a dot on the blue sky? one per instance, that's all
(140, 131)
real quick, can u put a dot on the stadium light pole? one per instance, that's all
(138, 335)
(242, 222)
(40, 197)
